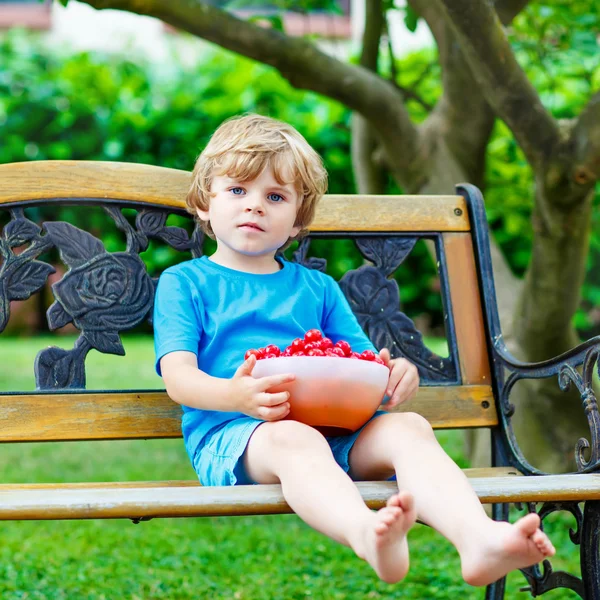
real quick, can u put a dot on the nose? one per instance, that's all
(254, 204)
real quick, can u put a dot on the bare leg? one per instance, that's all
(406, 445)
(322, 495)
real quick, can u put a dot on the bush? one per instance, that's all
(55, 104)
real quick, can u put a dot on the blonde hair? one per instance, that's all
(242, 147)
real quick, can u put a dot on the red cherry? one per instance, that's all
(270, 355)
(379, 360)
(287, 352)
(355, 355)
(299, 354)
(325, 343)
(315, 352)
(345, 347)
(297, 345)
(310, 346)
(261, 354)
(313, 335)
(368, 355)
(272, 349)
(252, 352)
(336, 352)
(330, 352)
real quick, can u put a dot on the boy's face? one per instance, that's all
(252, 218)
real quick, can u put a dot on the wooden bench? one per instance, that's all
(104, 294)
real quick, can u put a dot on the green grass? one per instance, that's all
(270, 558)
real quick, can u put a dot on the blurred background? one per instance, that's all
(78, 83)
(82, 84)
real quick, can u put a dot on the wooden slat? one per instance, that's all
(12, 487)
(466, 309)
(47, 180)
(67, 502)
(391, 213)
(93, 179)
(88, 416)
(134, 415)
(454, 407)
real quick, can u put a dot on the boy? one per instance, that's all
(254, 189)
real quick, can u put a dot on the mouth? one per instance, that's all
(251, 226)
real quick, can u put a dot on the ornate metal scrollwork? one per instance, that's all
(583, 383)
(544, 579)
(375, 299)
(564, 367)
(102, 293)
(20, 274)
(310, 262)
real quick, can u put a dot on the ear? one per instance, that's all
(295, 231)
(203, 214)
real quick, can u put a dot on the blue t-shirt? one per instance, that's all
(218, 313)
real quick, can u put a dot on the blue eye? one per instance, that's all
(237, 191)
(275, 197)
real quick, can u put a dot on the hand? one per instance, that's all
(251, 397)
(403, 382)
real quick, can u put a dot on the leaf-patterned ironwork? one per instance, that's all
(101, 294)
(375, 300)
(311, 262)
(387, 254)
(21, 275)
(56, 368)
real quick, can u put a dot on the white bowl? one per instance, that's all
(335, 395)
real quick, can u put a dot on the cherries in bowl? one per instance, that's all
(336, 390)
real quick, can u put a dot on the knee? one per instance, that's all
(292, 436)
(410, 423)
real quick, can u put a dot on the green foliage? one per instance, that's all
(60, 105)
(266, 6)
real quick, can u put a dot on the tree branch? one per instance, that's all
(586, 140)
(369, 176)
(371, 39)
(508, 9)
(300, 62)
(455, 107)
(501, 78)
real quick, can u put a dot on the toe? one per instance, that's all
(407, 502)
(539, 538)
(381, 528)
(529, 524)
(394, 500)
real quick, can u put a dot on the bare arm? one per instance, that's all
(186, 384)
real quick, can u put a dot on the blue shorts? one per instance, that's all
(219, 461)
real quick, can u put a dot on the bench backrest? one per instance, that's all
(104, 294)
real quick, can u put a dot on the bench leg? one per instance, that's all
(590, 547)
(543, 578)
(495, 591)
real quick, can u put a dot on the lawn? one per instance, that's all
(270, 558)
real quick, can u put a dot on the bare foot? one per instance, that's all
(384, 544)
(507, 547)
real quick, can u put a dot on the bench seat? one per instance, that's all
(143, 500)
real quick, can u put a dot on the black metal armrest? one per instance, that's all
(564, 367)
(545, 368)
